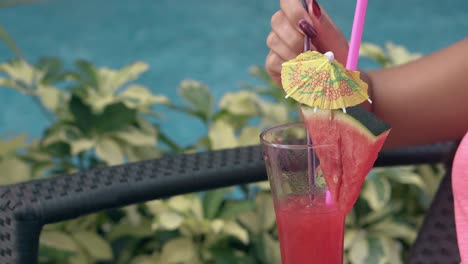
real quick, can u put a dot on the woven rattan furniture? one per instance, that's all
(26, 207)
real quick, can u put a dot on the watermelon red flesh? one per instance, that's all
(350, 155)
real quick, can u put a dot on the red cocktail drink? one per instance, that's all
(309, 232)
(310, 224)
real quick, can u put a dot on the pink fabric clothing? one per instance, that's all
(460, 197)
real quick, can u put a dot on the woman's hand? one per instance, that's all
(289, 27)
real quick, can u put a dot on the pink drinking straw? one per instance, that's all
(356, 35)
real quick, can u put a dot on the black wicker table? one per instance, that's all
(26, 207)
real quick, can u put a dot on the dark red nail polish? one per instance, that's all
(307, 28)
(316, 9)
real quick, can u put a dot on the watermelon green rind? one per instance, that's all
(352, 149)
(365, 118)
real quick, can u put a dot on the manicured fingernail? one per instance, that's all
(304, 4)
(307, 28)
(316, 9)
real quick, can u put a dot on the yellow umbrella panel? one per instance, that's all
(317, 80)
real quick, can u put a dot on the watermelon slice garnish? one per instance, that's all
(354, 140)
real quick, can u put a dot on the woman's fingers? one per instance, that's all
(278, 46)
(288, 33)
(329, 37)
(294, 11)
(273, 66)
(290, 26)
(279, 53)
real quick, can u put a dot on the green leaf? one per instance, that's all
(224, 255)
(156, 207)
(212, 202)
(273, 113)
(233, 208)
(96, 101)
(271, 249)
(181, 203)
(12, 145)
(266, 211)
(53, 68)
(392, 208)
(137, 137)
(404, 175)
(359, 250)
(61, 131)
(9, 83)
(58, 149)
(53, 255)
(400, 55)
(109, 151)
(139, 97)
(81, 145)
(198, 96)
(350, 237)
(262, 219)
(374, 52)
(179, 250)
(373, 249)
(235, 230)
(79, 259)
(139, 153)
(222, 136)
(133, 214)
(82, 113)
(115, 117)
(249, 136)
(59, 240)
(95, 245)
(22, 76)
(377, 191)
(250, 221)
(241, 103)
(144, 259)
(197, 208)
(376, 251)
(235, 121)
(431, 178)
(87, 74)
(111, 80)
(50, 96)
(392, 250)
(99, 86)
(126, 229)
(14, 170)
(217, 225)
(393, 55)
(262, 186)
(170, 220)
(394, 229)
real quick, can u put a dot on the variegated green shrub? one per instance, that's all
(100, 117)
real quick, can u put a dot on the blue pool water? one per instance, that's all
(208, 40)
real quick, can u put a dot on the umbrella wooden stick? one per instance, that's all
(310, 150)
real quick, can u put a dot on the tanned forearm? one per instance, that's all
(426, 100)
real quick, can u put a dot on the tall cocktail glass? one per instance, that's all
(310, 225)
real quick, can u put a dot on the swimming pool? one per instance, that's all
(208, 40)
